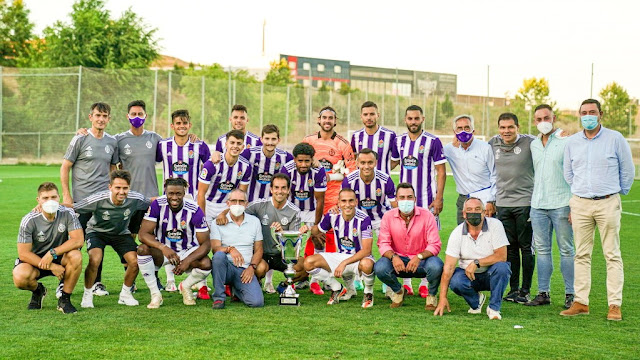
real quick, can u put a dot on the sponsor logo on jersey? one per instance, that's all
(62, 227)
(264, 178)
(174, 235)
(326, 164)
(89, 151)
(368, 204)
(226, 187)
(180, 167)
(346, 244)
(40, 237)
(302, 195)
(265, 220)
(410, 162)
(127, 149)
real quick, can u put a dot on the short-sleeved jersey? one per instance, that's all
(223, 178)
(138, 156)
(348, 234)
(250, 140)
(417, 164)
(288, 217)
(304, 186)
(44, 235)
(372, 197)
(263, 169)
(382, 142)
(177, 230)
(92, 159)
(183, 161)
(109, 218)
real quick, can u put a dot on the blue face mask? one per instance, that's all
(406, 206)
(589, 122)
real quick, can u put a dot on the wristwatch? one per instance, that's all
(54, 254)
(477, 262)
(254, 266)
(420, 256)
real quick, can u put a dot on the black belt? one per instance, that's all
(597, 197)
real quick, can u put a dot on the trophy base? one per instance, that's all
(290, 300)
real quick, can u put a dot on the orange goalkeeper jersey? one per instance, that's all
(328, 153)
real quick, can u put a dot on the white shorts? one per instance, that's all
(308, 217)
(182, 254)
(334, 260)
(212, 211)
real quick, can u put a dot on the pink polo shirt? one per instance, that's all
(422, 233)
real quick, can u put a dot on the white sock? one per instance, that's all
(406, 281)
(196, 276)
(88, 291)
(319, 274)
(369, 279)
(269, 277)
(349, 282)
(148, 271)
(170, 276)
(126, 288)
(424, 282)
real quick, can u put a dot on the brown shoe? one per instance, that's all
(614, 313)
(398, 298)
(576, 309)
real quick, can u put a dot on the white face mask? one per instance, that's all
(50, 206)
(544, 127)
(406, 206)
(236, 210)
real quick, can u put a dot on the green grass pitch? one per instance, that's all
(314, 330)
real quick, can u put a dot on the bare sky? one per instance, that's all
(557, 39)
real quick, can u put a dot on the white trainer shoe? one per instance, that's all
(268, 288)
(187, 296)
(87, 300)
(59, 291)
(350, 293)
(171, 287)
(479, 309)
(156, 301)
(493, 314)
(126, 298)
(99, 289)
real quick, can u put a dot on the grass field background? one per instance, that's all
(314, 330)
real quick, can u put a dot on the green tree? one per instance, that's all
(533, 92)
(446, 107)
(16, 33)
(279, 74)
(619, 110)
(95, 39)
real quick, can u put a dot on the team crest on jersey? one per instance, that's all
(108, 149)
(421, 149)
(517, 150)
(148, 144)
(310, 182)
(378, 192)
(248, 145)
(127, 212)
(332, 152)
(183, 224)
(278, 165)
(62, 227)
(40, 237)
(203, 173)
(127, 149)
(239, 173)
(381, 143)
(284, 221)
(354, 231)
(106, 216)
(190, 154)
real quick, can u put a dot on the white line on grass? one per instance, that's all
(628, 213)
(626, 201)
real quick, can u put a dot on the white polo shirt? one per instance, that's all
(241, 237)
(462, 246)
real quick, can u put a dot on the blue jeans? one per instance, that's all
(430, 267)
(543, 223)
(225, 273)
(495, 279)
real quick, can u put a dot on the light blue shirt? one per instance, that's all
(550, 189)
(474, 169)
(241, 237)
(600, 166)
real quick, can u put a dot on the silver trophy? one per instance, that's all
(289, 243)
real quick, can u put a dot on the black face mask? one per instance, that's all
(474, 219)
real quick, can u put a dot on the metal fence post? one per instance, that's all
(79, 98)
(348, 112)
(261, 104)
(286, 118)
(39, 146)
(382, 107)
(155, 100)
(169, 105)
(202, 110)
(435, 111)
(1, 118)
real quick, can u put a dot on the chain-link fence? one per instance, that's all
(41, 109)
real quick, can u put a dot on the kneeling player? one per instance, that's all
(174, 231)
(48, 244)
(353, 242)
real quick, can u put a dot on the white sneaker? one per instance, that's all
(99, 289)
(388, 292)
(59, 291)
(187, 296)
(493, 314)
(171, 287)
(156, 301)
(479, 309)
(126, 298)
(350, 293)
(87, 300)
(268, 288)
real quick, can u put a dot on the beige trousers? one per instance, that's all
(586, 214)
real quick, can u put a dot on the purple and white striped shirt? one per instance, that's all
(372, 197)
(178, 229)
(223, 178)
(250, 140)
(263, 169)
(383, 142)
(417, 164)
(304, 186)
(182, 161)
(348, 234)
